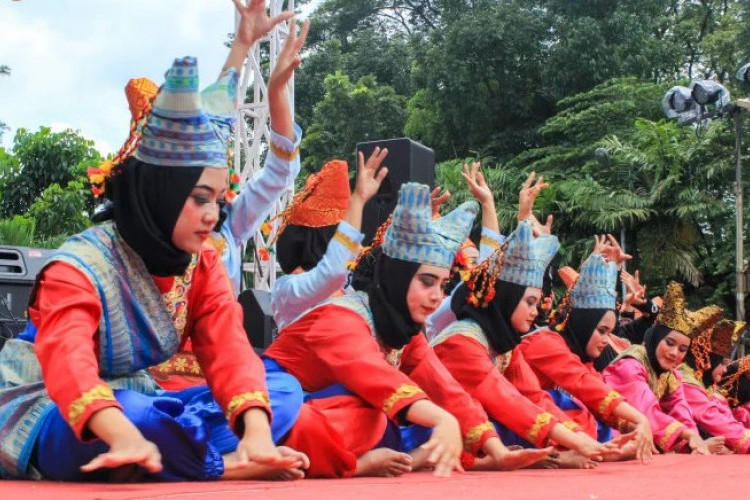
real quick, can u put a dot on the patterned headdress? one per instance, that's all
(527, 257)
(415, 237)
(719, 340)
(324, 199)
(596, 285)
(182, 127)
(691, 323)
(730, 384)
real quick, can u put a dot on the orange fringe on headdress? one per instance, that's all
(377, 241)
(730, 384)
(482, 279)
(141, 93)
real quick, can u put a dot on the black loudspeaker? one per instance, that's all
(407, 161)
(18, 269)
(258, 319)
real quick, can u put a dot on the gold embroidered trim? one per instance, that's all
(475, 433)
(219, 243)
(570, 424)
(486, 240)
(406, 391)
(745, 438)
(671, 429)
(611, 396)
(243, 398)
(175, 300)
(283, 153)
(182, 363)
(349, 243)
(78, 407)
(542, 420)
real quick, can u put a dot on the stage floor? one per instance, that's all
(668, 477)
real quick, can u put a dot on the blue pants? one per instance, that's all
(188, 427)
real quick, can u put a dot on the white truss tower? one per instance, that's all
(253, 131)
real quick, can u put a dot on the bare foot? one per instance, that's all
(520, 459)
(570, 459)
(234, 470)
(419, 458)
(383, 462)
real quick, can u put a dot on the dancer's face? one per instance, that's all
(426, 291)
(671, 351)
(718, 372)
(200, 213)
(600, 338)
(526, 311)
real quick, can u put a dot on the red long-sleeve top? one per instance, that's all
(67, 312)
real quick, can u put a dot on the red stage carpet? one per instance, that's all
(668, 477)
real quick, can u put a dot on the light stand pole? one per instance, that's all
(739, 219)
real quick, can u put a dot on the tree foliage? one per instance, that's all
(42, 158)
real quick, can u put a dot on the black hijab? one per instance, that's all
(386, 282)
(651, 340)
(495, 318)
(146, 202)
(579, 329)
(302, 246)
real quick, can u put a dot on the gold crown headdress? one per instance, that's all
(673, 314)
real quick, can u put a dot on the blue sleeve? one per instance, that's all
(293, 294)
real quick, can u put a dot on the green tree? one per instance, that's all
(41, 159)
(351, 113)
(61, 211)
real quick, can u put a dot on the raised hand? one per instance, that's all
(476, 183)
(255, 22)
(636, 292)
(539, 229)
(369, 178)
(437, 199)
(614, 252)
(289, 58)
(530, 190)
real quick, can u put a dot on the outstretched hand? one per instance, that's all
(369, 174)
(437, 199)
(530, 190)
(289, 58)
(636, 292)
(255, 22)
(123, 452)
(610, 249)
(476, 183)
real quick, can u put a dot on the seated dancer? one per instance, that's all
(370, 343)
(646, 375)
(704, 366)
(563, 359)
(467, 256)
(77, 404)
(252, 205)
(320, 234)
(480, 346)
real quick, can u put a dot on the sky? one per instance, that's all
(71, 59)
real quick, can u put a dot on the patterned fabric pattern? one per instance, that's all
(187, 127)
(415, 237)
(596, 285)
(136, 331)
(527, 257)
